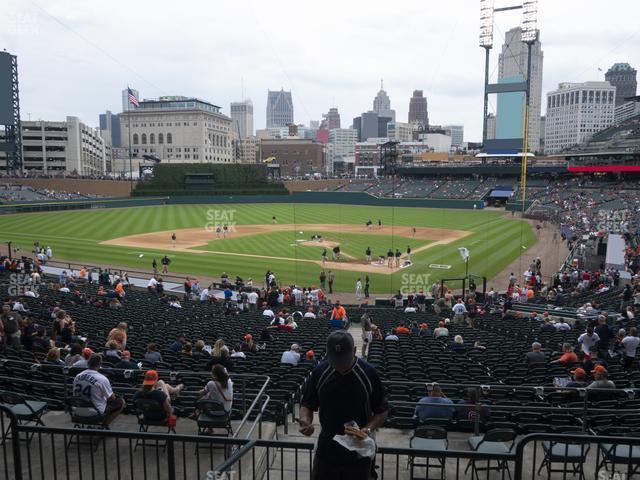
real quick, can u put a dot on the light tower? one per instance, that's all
(10, 112)
(529, 35)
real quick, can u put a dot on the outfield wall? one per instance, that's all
(342, 198)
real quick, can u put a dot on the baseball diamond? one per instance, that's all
(252, 244)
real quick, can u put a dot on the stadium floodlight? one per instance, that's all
(529, 21)
(486, 23)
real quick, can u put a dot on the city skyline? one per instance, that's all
(96, 55)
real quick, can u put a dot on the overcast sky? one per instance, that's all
(76, 56)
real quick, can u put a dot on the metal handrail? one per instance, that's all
(252, 406)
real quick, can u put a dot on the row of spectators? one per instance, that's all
(17, 193)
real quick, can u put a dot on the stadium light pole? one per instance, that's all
(529, 35)
(486, 42)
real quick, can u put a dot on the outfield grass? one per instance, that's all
(76, 235)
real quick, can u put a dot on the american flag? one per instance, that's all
(132, 98)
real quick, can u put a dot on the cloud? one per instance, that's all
(75, 57)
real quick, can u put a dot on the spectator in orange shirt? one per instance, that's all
(120, 289)
(401, 329)
(338, 315)
(568, 355)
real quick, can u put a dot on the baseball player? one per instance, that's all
(173, 240)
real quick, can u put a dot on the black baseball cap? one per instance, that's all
(340, 348)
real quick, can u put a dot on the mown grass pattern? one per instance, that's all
(75, 235)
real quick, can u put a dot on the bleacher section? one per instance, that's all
(17, 193)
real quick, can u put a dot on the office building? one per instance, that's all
(331, 119)
(623, 77)
(382, 104)
(248, 149)
(242, 118)
(456, 132)
(436, 142)
(295, 157)
(279, 109)
(68, 146)
(370, 125)
(575, 111)
(178, 129)
(418, 113)
(512, 68)
(110, 128)
(402, 132)
(343, 144)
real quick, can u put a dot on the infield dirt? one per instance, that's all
(189, 239)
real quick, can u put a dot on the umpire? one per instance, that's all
(343, 388)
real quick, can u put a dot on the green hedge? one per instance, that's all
(172, 176)
(236, 179)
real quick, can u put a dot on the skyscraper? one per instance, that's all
(110, 128)
(382, 104)
(279, 109)
(512, 68)
(125, 99)
(242, 118)
(332, 119)
(418, 113)
(623, 77)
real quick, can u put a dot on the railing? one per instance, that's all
(29, 452)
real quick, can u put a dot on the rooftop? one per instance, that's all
(621, 67)
(177, 102)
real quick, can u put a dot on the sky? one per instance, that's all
(75, 57)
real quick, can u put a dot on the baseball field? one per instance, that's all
(291, 245)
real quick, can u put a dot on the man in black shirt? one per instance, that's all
(343, 389)
(604, 332)
(165, 264)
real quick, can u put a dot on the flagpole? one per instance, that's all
(129, 129)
